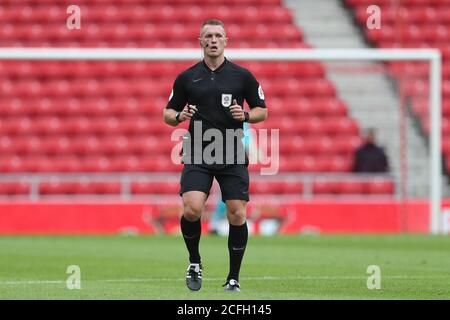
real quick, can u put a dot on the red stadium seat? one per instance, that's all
(57, 145)
(292, 187)
(67, 163)
(115, 145)
(15, 188)
(28, 144)
(38, 164)
(155, 187)
(266, 187)
(56, 186)
(12, 163)
(323, 187)
(336, 164)
(127, 163)
(96, 164)
(380, 186)
(350, 187)
(6, 145)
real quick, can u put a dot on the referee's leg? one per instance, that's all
(234, 183)
(195, 186)
(193, 205)
(237, 237)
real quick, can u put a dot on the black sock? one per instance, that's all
(191, 234)
(237, 241)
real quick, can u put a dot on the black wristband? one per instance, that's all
(247, 116)
(177, 116)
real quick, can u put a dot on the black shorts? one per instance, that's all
(232, 178)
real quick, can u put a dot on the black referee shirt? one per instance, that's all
(213, 93)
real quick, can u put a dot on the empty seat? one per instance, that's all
(127, 163)
(15, 188)
(380, 186)
(155, 187)
(375, 186)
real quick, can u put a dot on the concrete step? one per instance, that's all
(370, 100)
(343, 42)
(322, 30)
(359, 78)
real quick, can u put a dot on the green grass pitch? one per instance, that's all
(281, 267)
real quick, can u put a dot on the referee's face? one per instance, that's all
(213, 40)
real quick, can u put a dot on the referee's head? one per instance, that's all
(213, 38)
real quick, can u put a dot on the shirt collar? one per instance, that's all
(216, 70)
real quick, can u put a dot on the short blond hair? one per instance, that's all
(212, 22)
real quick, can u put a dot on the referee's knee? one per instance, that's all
(191, 212)
(236, 216)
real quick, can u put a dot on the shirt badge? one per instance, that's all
(226, 100)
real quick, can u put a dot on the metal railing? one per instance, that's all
(127, 179)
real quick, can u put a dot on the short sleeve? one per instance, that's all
(254, 94)
(177, 98)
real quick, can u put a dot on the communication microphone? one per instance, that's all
(203, 43)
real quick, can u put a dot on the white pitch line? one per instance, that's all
(269, 278)
(32, 282)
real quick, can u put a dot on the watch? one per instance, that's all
(247, 116)
(177, 115)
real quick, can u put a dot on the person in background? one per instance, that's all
(370, 157)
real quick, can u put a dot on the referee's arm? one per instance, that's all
(170, 115)
(257, 114)
(177, 109)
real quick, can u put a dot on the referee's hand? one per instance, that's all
(237, 111)
(187, 112)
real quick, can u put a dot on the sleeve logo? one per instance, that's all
(260, 93)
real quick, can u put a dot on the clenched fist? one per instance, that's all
(237, 111)
(187, 112)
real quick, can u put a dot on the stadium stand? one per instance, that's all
(105, 117)
(414, 24)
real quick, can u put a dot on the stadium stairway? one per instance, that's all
(373, 99)
(413, 24)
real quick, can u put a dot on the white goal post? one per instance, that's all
(432, 56)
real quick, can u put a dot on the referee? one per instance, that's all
(211, 94)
